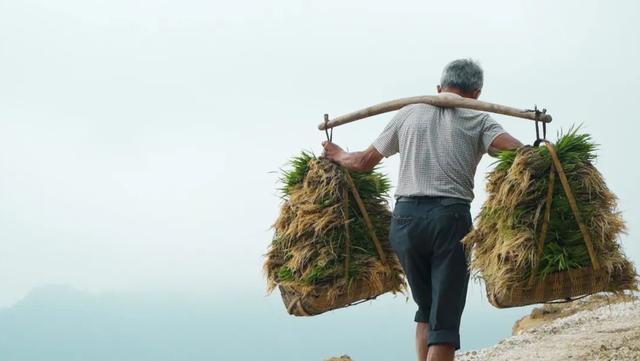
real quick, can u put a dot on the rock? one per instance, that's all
(340, 358)
(549, 312)
(596, 328)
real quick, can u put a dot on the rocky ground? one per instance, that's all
(597, 328)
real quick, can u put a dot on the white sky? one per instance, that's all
(138, 138)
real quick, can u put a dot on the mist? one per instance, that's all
(140, 141)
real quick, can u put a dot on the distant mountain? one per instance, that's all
(51, 296)
(60, 323)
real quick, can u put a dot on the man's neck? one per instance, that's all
(456, 91)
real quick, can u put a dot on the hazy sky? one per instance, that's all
(138, 139)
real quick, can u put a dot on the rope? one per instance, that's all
(567, 300)
(361, 301)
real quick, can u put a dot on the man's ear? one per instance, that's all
(439, 89)
(476, 93)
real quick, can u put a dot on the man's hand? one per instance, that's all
(355, 161)
(332, 151)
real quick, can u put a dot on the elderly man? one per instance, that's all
(439, 151)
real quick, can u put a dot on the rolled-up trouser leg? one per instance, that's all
(449, 278)
(426, 236)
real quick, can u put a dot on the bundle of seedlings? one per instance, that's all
(330, 248)
(550, 228)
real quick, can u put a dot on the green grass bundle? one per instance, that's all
(309, 248)
(504, 242)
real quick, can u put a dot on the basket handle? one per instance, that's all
(572, 203)
(545, 224)
(347, 246)
(365, 216)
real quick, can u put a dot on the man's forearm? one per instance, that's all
(354, 161)
(503, 142)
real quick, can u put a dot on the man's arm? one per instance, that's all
(363, 161)
(503, 141)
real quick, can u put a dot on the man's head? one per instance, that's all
(463, 77)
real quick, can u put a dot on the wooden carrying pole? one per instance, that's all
(442, 100)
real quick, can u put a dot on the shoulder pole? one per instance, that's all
(445, 101)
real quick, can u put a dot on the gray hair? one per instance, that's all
(464, 74)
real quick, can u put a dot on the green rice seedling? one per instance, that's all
(508, 228)
(309, 248)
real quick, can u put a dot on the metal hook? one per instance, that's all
(326, 122)
(544, 126)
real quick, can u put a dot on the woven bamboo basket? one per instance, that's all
(567, 285)
(319, 301)
(324, 298)
(560, 286)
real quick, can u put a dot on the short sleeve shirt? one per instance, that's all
(440, 148)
